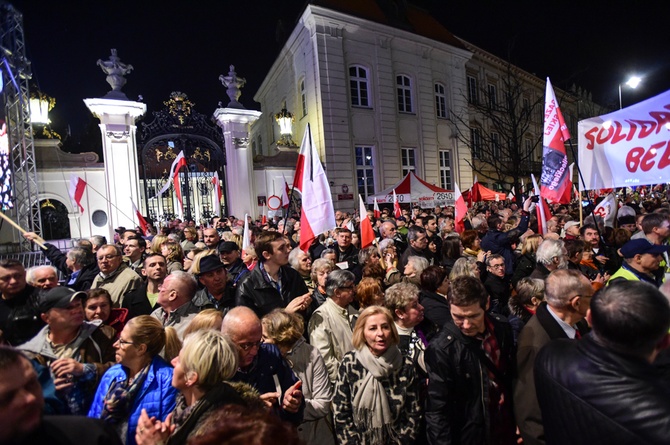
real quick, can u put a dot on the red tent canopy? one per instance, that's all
(480, 193)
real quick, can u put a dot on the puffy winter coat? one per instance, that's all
(157, 394)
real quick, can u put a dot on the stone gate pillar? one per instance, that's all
(117, 116)
(235, 121)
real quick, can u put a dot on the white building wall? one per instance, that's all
(322, 47)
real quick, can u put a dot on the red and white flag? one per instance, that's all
(286, 192)
(264, 217)
(77, 187)
(218, 194)
(177, 164)
(318, 213)
(396, 206)
(460, 210)
(367, 234)
(246, 235)
(542, 209)
(143, 222)
(567, 194)
(554, 178)
(607, 209)
(377, 213)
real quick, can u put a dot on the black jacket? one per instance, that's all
(435, 308)
(499, 290)
(19, 317)
(455, 410)
(594, 396)
(261, 296)
(137, 302)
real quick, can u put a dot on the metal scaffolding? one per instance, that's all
(16, 74)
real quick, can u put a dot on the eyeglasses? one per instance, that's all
(247, 346)
(497, 266)
(107, 257)
(124, 342)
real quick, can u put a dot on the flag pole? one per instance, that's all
(112, 204)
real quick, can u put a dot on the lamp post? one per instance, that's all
(285, 120)
(633, 82)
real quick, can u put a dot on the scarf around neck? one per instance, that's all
(371, 408)
(120, 397)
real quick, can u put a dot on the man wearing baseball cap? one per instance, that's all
(640, 260)
(571, 230)
(230, 255)
(76, 351)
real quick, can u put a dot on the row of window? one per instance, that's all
(494, 151)
(359, 90)
(365, 169)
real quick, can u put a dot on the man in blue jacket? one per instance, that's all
(499, 242)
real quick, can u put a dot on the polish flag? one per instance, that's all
(367, 234)
(286, 192)
(460, 210)
(77, 187)
(143, 222)
(177, 164)
(217, 194)
(542, 209)
(377, 213)
(554, 178)
(318, 214)
(264, 217)
(246, 235)
(567, 195)
(396, 206)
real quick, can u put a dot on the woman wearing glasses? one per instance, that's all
(206, 361)
(141, 379)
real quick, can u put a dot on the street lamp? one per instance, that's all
(633, 82)
(40, 104)
(285, 120)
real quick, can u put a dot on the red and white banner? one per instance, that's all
(318, 213)
(216, 211)
(629, 147)
(77, 187)
(376, 211)
(554, 178)
(143, 222)
(460, 210)
(367, 234)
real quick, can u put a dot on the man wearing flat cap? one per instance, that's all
(76, 351)
(231, 258)
(640, 260)
(217, 292)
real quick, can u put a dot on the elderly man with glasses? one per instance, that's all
(262, 366)
(115, 276)
(567, 297)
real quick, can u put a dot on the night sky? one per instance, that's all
(185, 46)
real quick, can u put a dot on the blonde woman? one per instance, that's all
(206, 361)
(376, 393)
(526, 263)
(140, 381)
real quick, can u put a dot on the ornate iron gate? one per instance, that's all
(174, 129)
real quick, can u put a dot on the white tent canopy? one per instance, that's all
(413, 190)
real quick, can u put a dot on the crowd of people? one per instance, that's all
(496, 334)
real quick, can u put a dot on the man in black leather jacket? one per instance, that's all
(470, 367)
(604, 389)
(272, 284)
